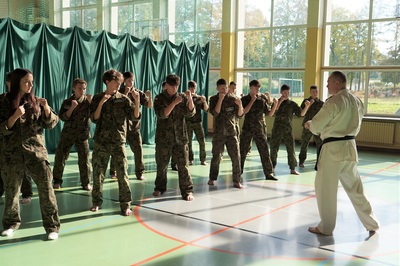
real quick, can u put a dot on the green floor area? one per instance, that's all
(263, 224)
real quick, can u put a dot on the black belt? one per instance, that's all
(330, 140)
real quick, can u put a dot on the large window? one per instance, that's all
(362, 37)
(271, 44)
(80, 13)
(271, 82)
(146, 18)
(197, 21)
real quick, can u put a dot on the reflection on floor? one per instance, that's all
(264, 224)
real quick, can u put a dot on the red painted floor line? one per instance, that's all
(381, 170)
(184, 243)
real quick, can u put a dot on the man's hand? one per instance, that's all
(135, 95)
(238, 102)
(221, 96)
(105, 98)
(43, 102)
(307, 124)
(188, 94)
(74, 104)
(19, 111)
(178, 100)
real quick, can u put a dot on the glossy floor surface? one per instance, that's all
(263, 224)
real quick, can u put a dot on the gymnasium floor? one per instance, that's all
(264, 224)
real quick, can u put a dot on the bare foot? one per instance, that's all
(87, 188)
(294, 172)
(141, 178)
(315, 230)
(156, 193)
(237, 185)
(26, 200)
(127, 212)
(94, 208)
(189, 197)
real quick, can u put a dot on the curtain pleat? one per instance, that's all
(57, 56)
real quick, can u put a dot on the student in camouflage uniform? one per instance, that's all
(315, 105)
(22, 120)
(282, 129)
(134, 137)
(74, 112)
(110, 111)
(232, 91)
(174, 165)
(256, 105)
(26, 187)
(194, 124)
(226, 109)
(171, 108)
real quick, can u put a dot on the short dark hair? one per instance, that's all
(339, 76)
(128, 75)
(254, 83)
(285, 87)
(111, 74)
(232, 83)
(221, 82)
(313, 87)
(192, 84)
(78, 81)
(173, 80)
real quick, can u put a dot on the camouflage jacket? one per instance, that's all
(111, 126)
(144, 101)
(225, 121)
(254, 119)
(24, 142)
(284, 116)
(78, 124)
(1, 134)
(199, 105)
(313, 110)
(172, 128)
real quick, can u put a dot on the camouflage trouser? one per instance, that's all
(164, 152)
(101, 155)
(134, 139)
(262, 146)
(287, 138)
(62, 153)
(305, 139)
(174, 161)
(197, 128)
(232, 146)
(41, 175)
(26, 187)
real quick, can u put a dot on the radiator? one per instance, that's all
(376, 133)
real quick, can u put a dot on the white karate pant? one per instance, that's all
(338, 161)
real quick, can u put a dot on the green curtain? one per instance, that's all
(57, 56)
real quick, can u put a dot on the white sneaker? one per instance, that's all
(7, 232)
(52, 236)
